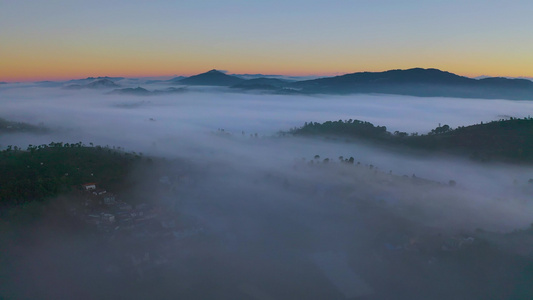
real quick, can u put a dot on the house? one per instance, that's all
(89, 186)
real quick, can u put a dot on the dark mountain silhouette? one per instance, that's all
(97, 84)
(506, 82)
(139, 91)
(261, 84)
(213, 77)
(105, 77)
(257, 76)
(254, 76)
(91, 79)
(419, 82)
(412, 82)
(176, 80)
(102, 83)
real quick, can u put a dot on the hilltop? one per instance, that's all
(213, 77)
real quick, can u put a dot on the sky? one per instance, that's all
(52, 40)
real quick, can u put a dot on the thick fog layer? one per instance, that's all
(183, 125)
(277, 217)
(215, 125)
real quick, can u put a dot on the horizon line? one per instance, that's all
(322, 75)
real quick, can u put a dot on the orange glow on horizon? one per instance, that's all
(68, 70)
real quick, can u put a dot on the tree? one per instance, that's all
(440, 129)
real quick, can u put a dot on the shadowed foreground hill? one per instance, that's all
(505, 140)
(47, 170)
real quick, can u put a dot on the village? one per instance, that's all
(148, 233)
(146, 238)
(108, 213)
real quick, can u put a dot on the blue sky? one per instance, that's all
(60, 39)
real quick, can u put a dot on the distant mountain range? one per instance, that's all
(139, 91)
(97, 84)
(91, 79)
(508, 77)
(419, 82)
(413, 82)
(282, 77)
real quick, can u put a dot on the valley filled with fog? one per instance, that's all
(275, 220)
(188, 125)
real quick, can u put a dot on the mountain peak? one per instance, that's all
(212, 77)
(213, 71)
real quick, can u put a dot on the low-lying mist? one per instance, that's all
(190, 125)
(282, 223)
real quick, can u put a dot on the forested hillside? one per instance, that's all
(508, 140)
(46, 170)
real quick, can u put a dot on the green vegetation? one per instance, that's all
(350, 128)
(508, 140)
(44, 171)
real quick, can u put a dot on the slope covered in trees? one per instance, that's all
(45, 171)
(508, 140)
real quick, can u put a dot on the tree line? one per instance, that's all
(508, 140)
